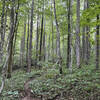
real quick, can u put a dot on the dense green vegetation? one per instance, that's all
(84, 84)
(49, 50)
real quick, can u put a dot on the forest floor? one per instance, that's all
(48, 84)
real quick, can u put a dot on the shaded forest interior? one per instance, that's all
(49, 50)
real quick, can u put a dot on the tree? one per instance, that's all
(27, 44)
(78, 34)
(41, 39)
(97, 44)
(30, 39)
(22, 51)
(2, 29)
(58, 39)
(69, 36)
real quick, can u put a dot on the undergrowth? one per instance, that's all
(81, 84)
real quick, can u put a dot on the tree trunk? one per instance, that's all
(37, 38)
(58, 40)
(30, 40)
(2, 30)
(87, 43)
(27, 44)
(22, 51)
(97, 45)
(49, 47)
(78, 34)
(52, 33)
(41, 38)
(44, 48)
(69, 36)
(10, 45)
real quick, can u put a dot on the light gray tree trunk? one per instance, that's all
(52, 32)
(2, 30)
(22, 51)
(78, 34)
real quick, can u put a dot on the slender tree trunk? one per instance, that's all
(41, 38)
(58, 40)
(97, 45)
(10, 45)
(44, 50)
(87, 43)
(27, 44)
(49, 48)
(37, 38)
(44, 54)
(69, 36)
(5, 23)
(22, 51)
(2, 29)
(52, 33)
(78, 34)
(46, 47)
(63, 46)
(70, 31)
(16, 25)
(30, 41)
(84, 39)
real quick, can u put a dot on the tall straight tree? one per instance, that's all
(69, 36)
(37, 35)
(52, 33)
(2, 29)
(87, 43)
(11, 37)
(37, 38)
(84, 38)
(58, 39)
(41, 38)
(22, 48)
(41, 35)
(78, 34)
(97, 44)
(44, 46)
(30, 39)
(27, 44)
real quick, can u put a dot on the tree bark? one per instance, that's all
(37, 38)
(2, 29)
(10, 45)
(27, 44)
(22, 51)
(69, 36)
(30, 40)
(41, 39)
(44, 47)
(52, 33)
(97, 44)
(78, 34)
(58, 40)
